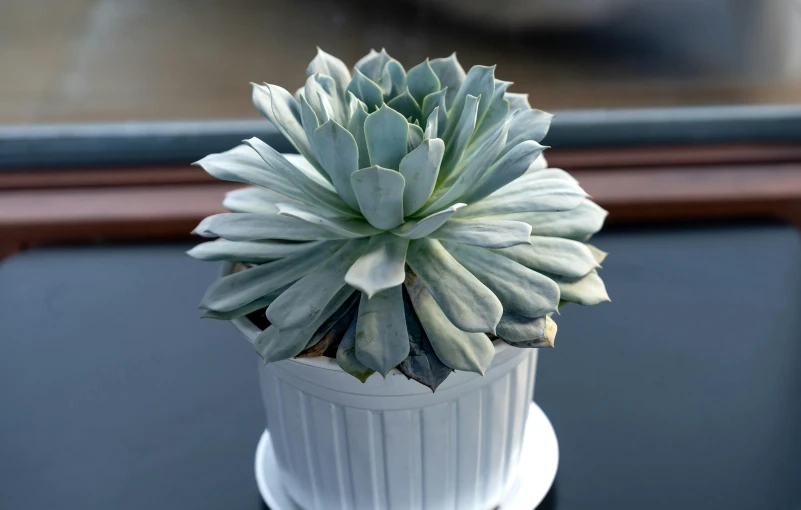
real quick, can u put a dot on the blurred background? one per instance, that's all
(120, 60)
(682, 118)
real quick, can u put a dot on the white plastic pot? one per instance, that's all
(392, 443)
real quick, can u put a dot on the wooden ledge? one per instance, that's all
(34, 217)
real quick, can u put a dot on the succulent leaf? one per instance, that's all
(515, 328)
(424, 227)
(505, 170)
(366, 90)
(420, 169)
(562, 257)
(463, 298)
(274, 344)
(382, 341)
(280, 108)
(253, 200)
(472, 352)
(422, 81)
(238, 289)
(243, 164)
(518, 287)
(386, 132)
(457, 141)
(339, 157)
(310, 183)
(308, 297)
(381, 267)
(346, 355)
(484, 233)
(416, 136)
(329, 65)
(436, 102)
(257, 227)
(588, 290)
(422, 364)
(529, 195)
(393, 79)
(379, 192)
(450, 74)
(432, 125)
(579, 223)
(257, 252)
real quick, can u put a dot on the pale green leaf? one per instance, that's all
(372, 64)
(339, 156)
(436, 103)
(563, 257)
(518, 287)
(528, 125)
(528, 195)
(346, 355)
(382, 340)
(283, 111)
(274, 344)
(381, 267)
(467, 302)
(579, 223)
(460, 181)
(484, 233)
(457, 349)
(456, 143)
(480, 83)
(256, 227)
(393, 79)
(342, 228)
(551, 173)
(238, 289)
(416, 136)
(366, 90)
(406, 105)
(305, 300)
(519, 328)
(243, 164)
(497, 113)
(317, 190)
(248, 251)
(424, 227)
(327, 64)
(422, 363)
(588, 290)
(380, 195)
(505, 170)
(420, 169)
(432, 125)
(517, 101)
(262, 302)
(253, 200)
(422, 81)
(358, 114)
(386, 132)
(450, 74)
(308, 119)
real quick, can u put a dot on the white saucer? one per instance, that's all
(538, 463)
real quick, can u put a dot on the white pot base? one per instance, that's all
(538, 462)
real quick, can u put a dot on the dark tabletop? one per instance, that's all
(684, 392)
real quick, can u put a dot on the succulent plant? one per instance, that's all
(418, 222)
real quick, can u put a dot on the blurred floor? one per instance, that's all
(105, 60)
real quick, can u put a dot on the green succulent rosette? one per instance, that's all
(418, 221)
